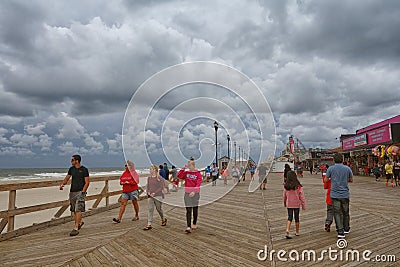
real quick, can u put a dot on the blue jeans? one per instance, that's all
(341, 214)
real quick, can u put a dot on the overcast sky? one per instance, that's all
(68, 70)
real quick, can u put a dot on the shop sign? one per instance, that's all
(360, 140)
(354, 141)
(348, 143)
(379, 136)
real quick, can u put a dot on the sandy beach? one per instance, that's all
(36, 196)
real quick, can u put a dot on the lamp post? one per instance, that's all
(234, 144)
(216, 143)
(229, 139)
(240, 164)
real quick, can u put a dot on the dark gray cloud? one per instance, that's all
(360, 32)
(71, 67)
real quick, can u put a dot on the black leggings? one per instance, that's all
(296, 212)
(189, 215)
(192, 204)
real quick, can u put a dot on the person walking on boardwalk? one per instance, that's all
(225, 174)
(377, 172)
(252, 170)
(163, 174)
(293, 198)
(389, 173)
(79, 185)
(340, 175)
(236, 174)
(208, 173)
(214, 174)
(154, 189)
(243, 170)
(193, 180)
(285, 171)
(130, 190)
(175, 180)
(262, 176)
(328, 201)
(396, 172)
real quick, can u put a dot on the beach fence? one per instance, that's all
(43, 191)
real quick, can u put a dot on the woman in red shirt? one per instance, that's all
(129, 181)
(193, 179)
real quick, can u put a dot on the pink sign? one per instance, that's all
(379, 136)
(373, 137)
(348, 143)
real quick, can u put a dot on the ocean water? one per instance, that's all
(35, 173)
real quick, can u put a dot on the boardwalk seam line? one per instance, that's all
(268, 229)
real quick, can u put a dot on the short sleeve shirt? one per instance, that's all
(262, 170)
(78, 177)
(339, 175)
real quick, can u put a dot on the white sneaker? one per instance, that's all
(340, 235)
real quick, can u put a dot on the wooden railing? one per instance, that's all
(8, 216)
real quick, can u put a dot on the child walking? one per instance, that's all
(225, 175)
(293, 198)
(377, 172)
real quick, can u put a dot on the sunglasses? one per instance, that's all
(72, 160)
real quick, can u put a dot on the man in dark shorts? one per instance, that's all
(79, 185)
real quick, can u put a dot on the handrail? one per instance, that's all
(8, 216)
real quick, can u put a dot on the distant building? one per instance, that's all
(379, 137)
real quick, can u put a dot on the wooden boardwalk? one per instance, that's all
(231, 232)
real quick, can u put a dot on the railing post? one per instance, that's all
(107, 197)
(11, 206)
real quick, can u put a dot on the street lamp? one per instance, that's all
(216, 142)
(234, 143)
(240, 164)
(229, 139)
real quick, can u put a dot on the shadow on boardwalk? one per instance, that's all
(231, 232)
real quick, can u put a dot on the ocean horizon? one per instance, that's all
(10, 174)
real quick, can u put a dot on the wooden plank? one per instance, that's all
(103, 192)
(11, 206)
(61, 211)
(107, 187)
(231, 231)
(3, 224)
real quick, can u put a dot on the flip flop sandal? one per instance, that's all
(164, 222)
(116, 220)
(135, 219)
(148, 227)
